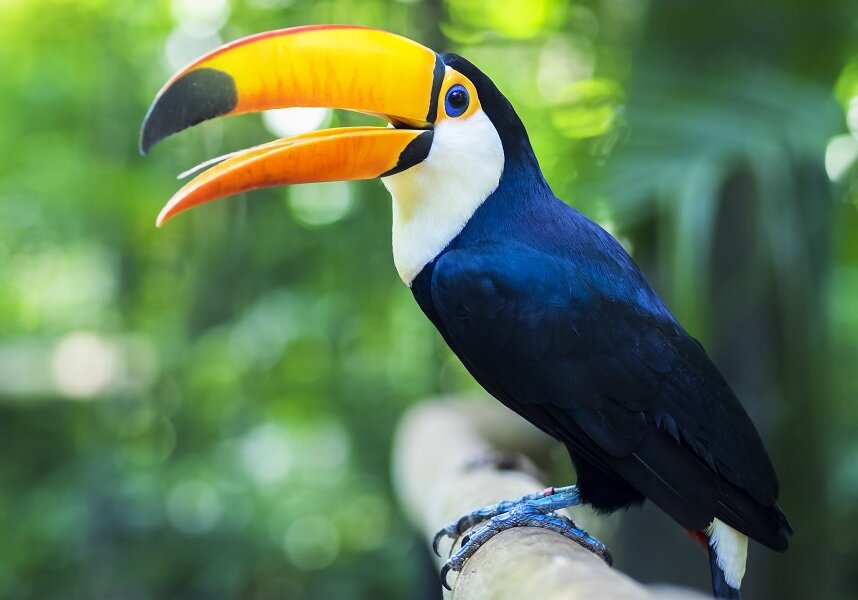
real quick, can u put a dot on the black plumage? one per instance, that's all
(551, 315)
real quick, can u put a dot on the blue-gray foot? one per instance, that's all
(533, 510)
(455, 528)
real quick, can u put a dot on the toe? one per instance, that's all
(436, 539)
(444, 571)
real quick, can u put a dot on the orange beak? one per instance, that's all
(364, 70)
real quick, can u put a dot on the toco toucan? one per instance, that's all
(543, 307)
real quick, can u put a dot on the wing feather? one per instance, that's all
(584, 357)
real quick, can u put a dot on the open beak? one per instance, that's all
(353, 68)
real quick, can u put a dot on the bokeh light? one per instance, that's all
(185, 45)
(85, 365)
(194, 507)
(318, 204)
(311, 542)
(840, 154)
(286, 122)
(201, 17)
(266, 454)
(515, 19)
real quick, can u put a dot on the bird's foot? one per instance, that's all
(455, 528)
(533, 510)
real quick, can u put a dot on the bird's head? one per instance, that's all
(449, 136)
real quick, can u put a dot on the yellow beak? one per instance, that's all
(351, 68)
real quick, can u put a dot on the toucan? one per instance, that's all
(543, 307)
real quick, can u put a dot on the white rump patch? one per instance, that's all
(731, 551)
(433, 200)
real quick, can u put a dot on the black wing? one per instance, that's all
(606, 369)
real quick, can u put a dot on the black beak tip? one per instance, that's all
(194, 97)
(145, 144)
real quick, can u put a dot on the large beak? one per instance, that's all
(352, 68)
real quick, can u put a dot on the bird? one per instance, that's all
(544, 308)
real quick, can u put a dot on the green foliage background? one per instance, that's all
(206, 410)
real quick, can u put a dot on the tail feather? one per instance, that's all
(728, 552)
(720, 587)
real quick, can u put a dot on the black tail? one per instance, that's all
(720, 587)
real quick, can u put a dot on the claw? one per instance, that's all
(451, 530)
(435, 541)
(444, 570)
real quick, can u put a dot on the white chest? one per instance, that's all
(433, 200)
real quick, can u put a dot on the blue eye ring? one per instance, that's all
(456, 101)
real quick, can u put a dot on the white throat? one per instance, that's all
(433, 200)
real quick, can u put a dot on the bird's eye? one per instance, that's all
(457, 101)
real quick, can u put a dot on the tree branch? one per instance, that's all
(440, 472)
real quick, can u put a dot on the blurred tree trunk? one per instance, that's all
(769, 341)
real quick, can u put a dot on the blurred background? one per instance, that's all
(206, 411)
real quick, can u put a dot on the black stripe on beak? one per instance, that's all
(437, 80)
